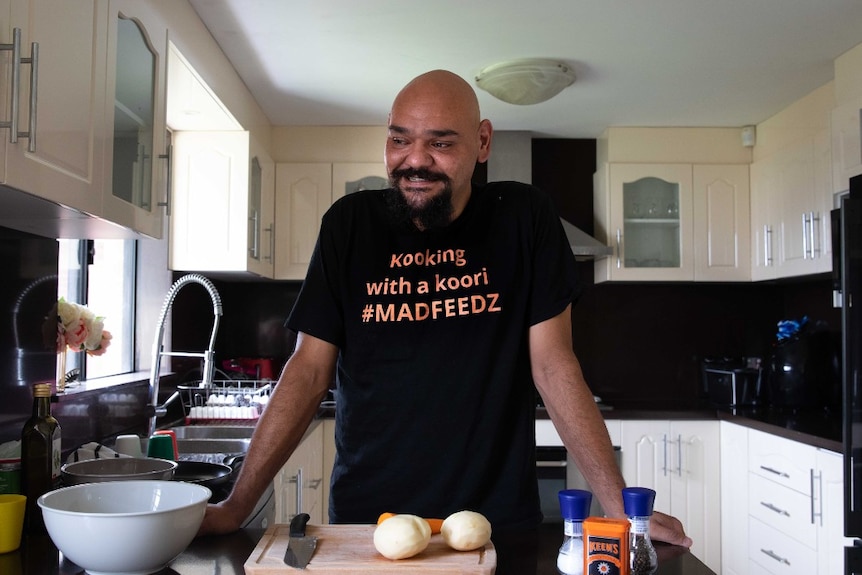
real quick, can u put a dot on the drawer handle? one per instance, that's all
(773, 555)
(772, 507)
(561, 463)
(775, 471)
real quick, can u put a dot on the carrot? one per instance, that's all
(384, 516)
(435, 524)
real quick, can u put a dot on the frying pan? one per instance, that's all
(202, 473)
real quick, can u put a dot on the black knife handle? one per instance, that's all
(297, 524)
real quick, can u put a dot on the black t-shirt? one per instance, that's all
(436, 403)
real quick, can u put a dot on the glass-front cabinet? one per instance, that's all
(136, 85)
(651, 228)
(673, 222)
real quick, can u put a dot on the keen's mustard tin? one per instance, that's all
(10, 476)
(606, 546)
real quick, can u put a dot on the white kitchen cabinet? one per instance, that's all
(680, 461)
(791, 199)
(829, 512)
(328, 463)
(734, 499)
(721, 223)
(795, 506)
(304, 191)
(135, 195)
(846, 145)
(673, 222)
(222, 204)
(63, 159)
(299, 484)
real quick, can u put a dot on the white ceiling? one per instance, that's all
(638, 62)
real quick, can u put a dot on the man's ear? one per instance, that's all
(486, 131)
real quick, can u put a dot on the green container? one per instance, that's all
(10, 476)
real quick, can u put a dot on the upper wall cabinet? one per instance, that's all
(58, 129)
(791, 199)
(846, 145)
(75, 76)
(137, 160)
(304, 191)
(673, 222)
(222, 204)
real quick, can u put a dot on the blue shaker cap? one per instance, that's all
(638, 501)
(575, 504)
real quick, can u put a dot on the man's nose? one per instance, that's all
(417, 156)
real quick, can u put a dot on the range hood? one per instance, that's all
(585, 246)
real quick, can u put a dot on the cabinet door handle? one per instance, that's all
(619, 248)
(805, 227)
(270, 229)
(297, 499)
(664, 445)
(775, 472)
(679, 455)
(812, 234)
(299, 490)
(561, 463)
(817, 496)
(168, 180)
(15, 89)
(772, 507)
(254, 250)
(773, 555)
(767, 246)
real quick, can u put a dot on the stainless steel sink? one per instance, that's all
(211, 432)
(227, 446)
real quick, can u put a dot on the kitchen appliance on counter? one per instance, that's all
(847, 273)
(732, 382)
(804, 371)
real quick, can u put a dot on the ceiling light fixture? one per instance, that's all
(526, 81)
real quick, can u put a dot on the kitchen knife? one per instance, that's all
(299, 547)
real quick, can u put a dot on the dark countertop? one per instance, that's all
(534, 553)
(818, 428)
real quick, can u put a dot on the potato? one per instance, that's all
(402, 536)
(466, 530)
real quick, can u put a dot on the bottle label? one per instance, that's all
(55, 456)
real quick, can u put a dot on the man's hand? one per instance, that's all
(665, 528)
(219, 521)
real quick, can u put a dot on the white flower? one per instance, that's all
(68, 312)
(94, 332)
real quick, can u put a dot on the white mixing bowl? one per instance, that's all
(124, 527)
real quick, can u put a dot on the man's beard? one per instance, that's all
(436, 213)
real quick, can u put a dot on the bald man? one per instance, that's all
(438, 307)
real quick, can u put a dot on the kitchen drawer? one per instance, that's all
(774, 552)
(784, 509)
(546, 434)
(783, 461)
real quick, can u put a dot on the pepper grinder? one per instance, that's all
(638, 504)
(574, 507)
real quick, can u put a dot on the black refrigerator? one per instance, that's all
(847, 273)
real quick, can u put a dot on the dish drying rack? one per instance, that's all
(226, 401)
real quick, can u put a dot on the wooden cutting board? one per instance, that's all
(345, 549)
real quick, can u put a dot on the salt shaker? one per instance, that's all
(574, 507)
(638, 503)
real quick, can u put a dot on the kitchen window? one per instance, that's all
(101, 275)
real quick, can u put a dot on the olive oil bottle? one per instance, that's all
(40, 456)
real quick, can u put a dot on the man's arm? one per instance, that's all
(301, 387)
(559, 380)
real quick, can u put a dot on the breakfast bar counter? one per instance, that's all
(532, 553)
